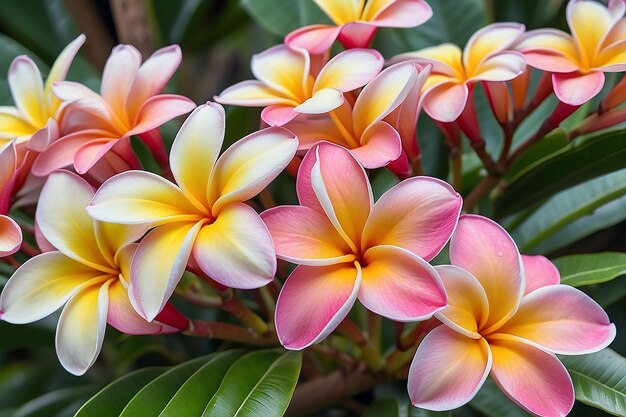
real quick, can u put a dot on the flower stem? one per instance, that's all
(229, 332)
(369, 354)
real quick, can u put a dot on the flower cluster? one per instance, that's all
(114, 240)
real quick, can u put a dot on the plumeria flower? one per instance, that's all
(363, 128)
(356, 21)
(88, 273)
(287, 86)
(129, 104)
(578, 61)
(37, 109)
(347, 247)
(507, 317)
(486, 57)
(10, 232)
(204, 216)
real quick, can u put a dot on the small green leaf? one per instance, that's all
(281, 17)
(112, 399)
(384, 407)
(49, 404)
(259, 384)
(491, 402)
(587, 269)
(599, 380)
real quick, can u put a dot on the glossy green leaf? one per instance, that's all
(591, 158)
(259, 384)
(49, 404)
(587, 269)
(608, 293)
(599, 380)
(9, 49)
(112, 399)
(281, 17)
(382, 182)
(194, 395)
(384, 407)
(491, 402)
(544, 149)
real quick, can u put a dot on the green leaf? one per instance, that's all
(281, 17)
(382, 182)
(112, 399)
(259, 384)
(588, 159)
(542, 150)
(9, 49)
(49, 404)
(587, 269)
(194, 395)
(608, 293)
(599, 380)
(491, 402)
(384, 407)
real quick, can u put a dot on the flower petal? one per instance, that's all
(278, 115)
(563, 320)
(88, 101)
(63, 220)
(81, 327)
(316, 39)
(489, 40)
(531, 378)
(12, 124)
(27, 90)
(195, 150)
(248, 166)
(448, 370)
(340, 11)
(400, 285)
(236, 250)
(140, 197)
(158, 110)
(42, 285)
(112, 238)
(445, 102)
(305, 236)
(59, 70)
(549, 50)
(539, 272)
(468, 307)
(283, 69)
(323, 101)
(503, 66)
(350, 70)
(313, 301)
(485, 250)
(158, 265)
(381, 145)
(575, 88)
(419, 215)
(10, 236)
(252, 93)
(397, 13)
(90, 153)
(118, 75)
(589, 23)
(446, 59)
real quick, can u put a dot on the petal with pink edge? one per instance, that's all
(63, 220)
(253, 93)
(118, 75)
(278, 115)
(81, 327)
(42, 285)
(340, 11)
(503, 66)
(26, 87)
(112, 237)
(90, 153)
(82, 97)
(236, 250)
(283, 69)
(158, 110)
(397, 13)
(448, 370)
(59, 70)
(305, 236)
(381, 144)
(313, 301)
(539, 272)
(549, 50)
(158, 265)
(12, 124)
(10, 236)
(248, 166)
(195, 150)
(400, 285)
(419, 215)
(350, 70)
(316, 39)
(489, 40)
(356, 35)
(533, 379)
(589, 22)
(445, 102)
(136, 197)
(485, 250)
(446, 59)
(575, 88)
(563, 320)
(323, 101)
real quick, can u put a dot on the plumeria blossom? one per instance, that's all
(507, 317)
(347, 247)
(129, 104)
(579, 60)
(486, 57)
(368, 128)
(287, 85)
(356, 21)
(88, 272)
(203, 217)
(10, 232)
(37, 110)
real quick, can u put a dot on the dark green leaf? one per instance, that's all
(587, 269)
(491, 402)
(293, 14)
(49, 404)
(384, 407)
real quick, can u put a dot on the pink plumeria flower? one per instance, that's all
(287, 86)
(129, 104)
(347, 247)
(88, 273)
(578, 61)
(362, 128)
(486, 57)
(204, 216)
(356, 21)
(37, 110)
(10, 232)
(507, 317)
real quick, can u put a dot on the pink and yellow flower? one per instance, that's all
(486, 57)
(368, 128)
(10, 164)
(287, 85)
(88, 272)
(356, 21)
(204, 217)
(347, 247)
(579, 60)
(129, 104)
(507, 317)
